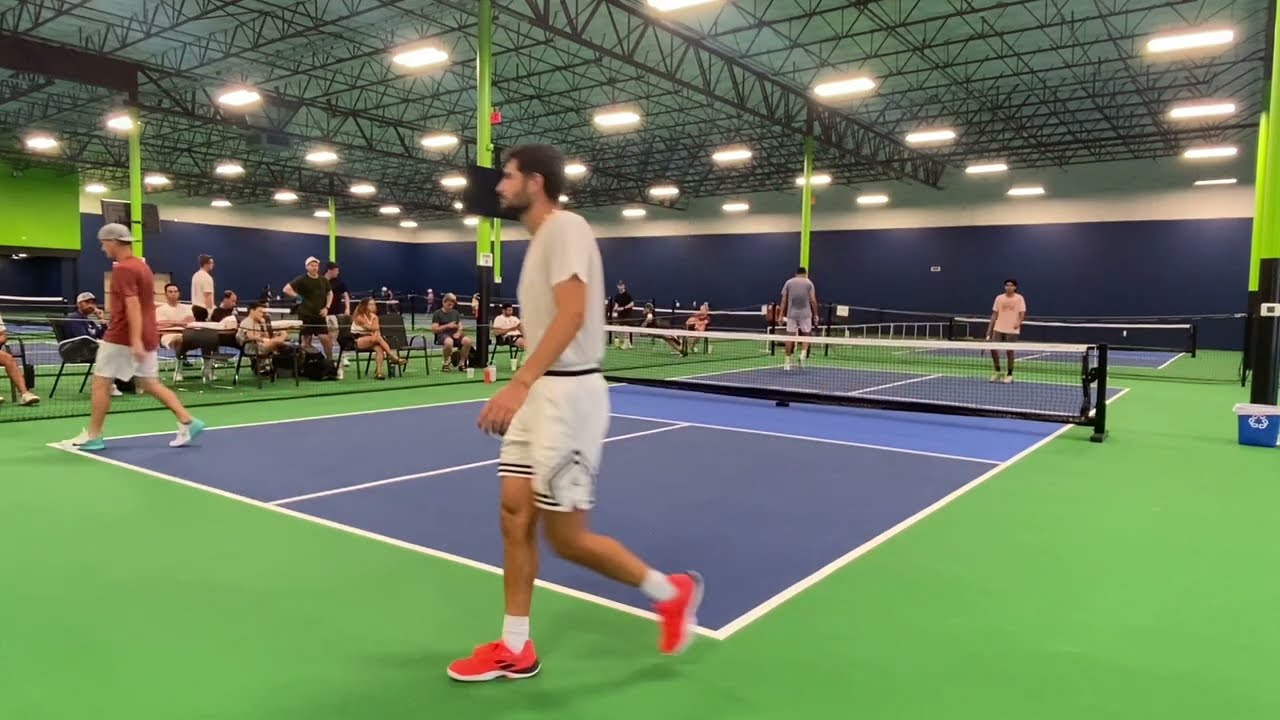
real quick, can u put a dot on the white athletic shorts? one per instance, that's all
(117, 362)
(804, 325)
(556, 440)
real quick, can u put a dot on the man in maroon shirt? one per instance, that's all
(128, 349)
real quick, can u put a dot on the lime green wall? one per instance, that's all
(39, 209)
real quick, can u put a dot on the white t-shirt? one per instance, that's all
(563, 247)
(506, 322)
(201, 283)
(168, 316)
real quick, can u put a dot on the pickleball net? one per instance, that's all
(1052, 382)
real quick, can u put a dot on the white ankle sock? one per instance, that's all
(657, 587)
(515, 632)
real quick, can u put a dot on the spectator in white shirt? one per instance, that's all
(202, 289)
(10, 365)
(172, 317)
(367, 330)
(506, 327)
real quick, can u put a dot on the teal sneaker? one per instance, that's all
(187, 433)
(84, 442)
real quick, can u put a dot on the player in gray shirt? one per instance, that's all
(799, 306)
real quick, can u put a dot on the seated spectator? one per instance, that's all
(256, 329)
(10, 365)
(698, 322)
(172, 318)
(506, 328)
(367, 330)
(226, 309)
(651, 320)
(87, 320)
(446, 323)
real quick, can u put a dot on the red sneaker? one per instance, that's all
(495, 660)
(679, 615)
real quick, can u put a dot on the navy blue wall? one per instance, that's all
(246, 259)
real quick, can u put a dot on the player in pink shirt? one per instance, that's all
(1007, 314)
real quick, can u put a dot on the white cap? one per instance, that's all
(85, 296)
(312, 259)
(115, 231)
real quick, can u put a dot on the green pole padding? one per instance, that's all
(806, 214)
(1259, 207)
(484, 107)
(135, 183)
(497, 251)
(333, 231)
(1270, 241)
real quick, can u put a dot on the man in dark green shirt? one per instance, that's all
(446, 323)
(315, 296)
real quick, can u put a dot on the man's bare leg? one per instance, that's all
(167, 397)
(520, 558)
(99, 404)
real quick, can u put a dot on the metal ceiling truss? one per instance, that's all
(1032, 82)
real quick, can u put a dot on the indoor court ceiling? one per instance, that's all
(1033, 83)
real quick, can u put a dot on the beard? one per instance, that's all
(517, 205)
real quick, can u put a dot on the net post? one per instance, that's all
(1099, 376)
(1195, 337)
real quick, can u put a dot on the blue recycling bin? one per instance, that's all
(1259, 425)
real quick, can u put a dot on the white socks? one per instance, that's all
(515, 632)
(657, 587)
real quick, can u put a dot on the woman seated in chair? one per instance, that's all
(367, 331)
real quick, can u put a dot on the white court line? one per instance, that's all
(765, 607)
(442, 471)
(1170, 361)
(306, 418)
(894, 384)
(814, 439)
(468, 562)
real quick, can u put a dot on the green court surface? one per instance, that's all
(1134, 578)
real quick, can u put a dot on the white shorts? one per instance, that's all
(804, 325)
(557, 439)
(117, 362)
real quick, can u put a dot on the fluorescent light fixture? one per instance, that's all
(41, 142)
(95, 188)
(633, 212)
(575, 169)
(320, 214)
(389, 210)
(414, 58)
(729, 155)
(363, 188)
(921, 137)
(457, 205)
(669, 5)
(229, 169)
(564, 199)
(439, 141)
(986, 168)
(321, 157)
(1025, 191)
(1219, 181)
(155, 179)
(120, 121)
(847, 86)
(239, 97)
(873, 199)
(664, 191)
(815, 180)
(1204, 153)
(735, 207)
(453, 181)
(285, 196)
(220, 203)
(408, 224)
(471, 221)
(616, 118)
(1183, 112)
(1190, 40)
